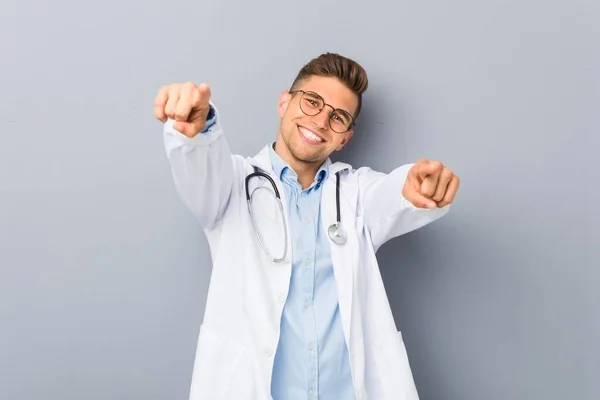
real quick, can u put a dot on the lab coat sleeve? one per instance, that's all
(203, 170)
(386, 212)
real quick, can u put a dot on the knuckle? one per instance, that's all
(437, 165)
(447, 175)
(169, 111)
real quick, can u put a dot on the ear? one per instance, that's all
(346, 139)
(282, 104)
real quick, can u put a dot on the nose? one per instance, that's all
(321, 120)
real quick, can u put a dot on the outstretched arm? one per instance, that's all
(200, 158)
(406, 199)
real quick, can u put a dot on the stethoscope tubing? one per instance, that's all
(335, 231)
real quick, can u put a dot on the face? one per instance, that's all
(310, 139)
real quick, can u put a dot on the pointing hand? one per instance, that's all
(430, 184)
(186, 103)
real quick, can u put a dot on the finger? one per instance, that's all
(201, 97)
(160, 102)
(442, 184)
(171, 106)
(429, 185)
(450, 192)
(185, 103)
(201, 107)
(417, 199)
(198, 119)
(424, 168)
(186, 128)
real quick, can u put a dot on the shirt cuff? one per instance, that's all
(211, 119)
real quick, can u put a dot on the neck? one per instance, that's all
(306, 171)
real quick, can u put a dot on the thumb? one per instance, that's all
(186, 128)
(411, 193)
(201, 98)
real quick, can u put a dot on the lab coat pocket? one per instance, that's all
(216, 362)
(394, 371)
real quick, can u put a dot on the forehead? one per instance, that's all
(333, 92)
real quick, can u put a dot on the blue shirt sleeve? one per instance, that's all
(211, 118)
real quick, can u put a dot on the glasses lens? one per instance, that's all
(311, 103)
(340, 121)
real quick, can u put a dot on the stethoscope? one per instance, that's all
(336, 231)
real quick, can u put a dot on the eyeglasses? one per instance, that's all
(340, 121)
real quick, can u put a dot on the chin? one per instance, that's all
(308, 155)
(301, 150)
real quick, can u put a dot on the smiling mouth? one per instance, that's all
(309, 136)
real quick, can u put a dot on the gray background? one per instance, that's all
(103, 273)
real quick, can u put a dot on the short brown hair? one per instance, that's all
(348, 71)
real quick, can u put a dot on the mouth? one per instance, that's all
(310, 137)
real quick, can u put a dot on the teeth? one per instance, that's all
(311, 136)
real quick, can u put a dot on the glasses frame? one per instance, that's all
(352, 122)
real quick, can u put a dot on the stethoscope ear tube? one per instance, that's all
(336, 231)
(255, 227)
(258, 173)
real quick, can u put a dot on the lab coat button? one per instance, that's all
(268, 352)
(281, 299)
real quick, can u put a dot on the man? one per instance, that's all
(296, 309)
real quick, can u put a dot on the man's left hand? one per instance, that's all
(430, 184)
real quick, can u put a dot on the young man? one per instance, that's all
(296, 306)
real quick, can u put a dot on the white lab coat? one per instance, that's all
(239, 335)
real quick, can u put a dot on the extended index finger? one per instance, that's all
(425, 168)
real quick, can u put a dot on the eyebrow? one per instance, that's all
(336, 108)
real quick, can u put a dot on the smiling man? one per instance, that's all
(296, 307)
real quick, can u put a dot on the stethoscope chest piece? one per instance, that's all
(337, 233)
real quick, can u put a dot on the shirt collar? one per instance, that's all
(282, 169)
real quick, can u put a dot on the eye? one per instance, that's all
(311, 102)
(340, 116)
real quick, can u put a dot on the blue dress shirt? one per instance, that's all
(312, 361)
(312, 357)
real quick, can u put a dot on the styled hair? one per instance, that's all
(347, 71)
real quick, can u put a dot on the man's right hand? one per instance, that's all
(186, 103)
